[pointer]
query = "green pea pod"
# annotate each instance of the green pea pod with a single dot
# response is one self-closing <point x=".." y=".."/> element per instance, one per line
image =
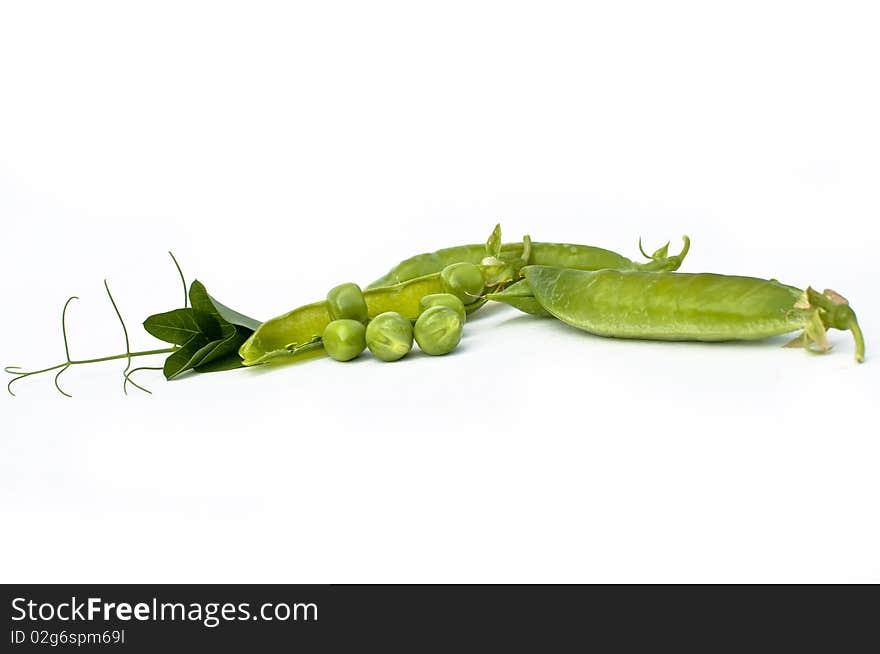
<point x="566" y="255"/>
<point x="520" y="296"/>
<point x="690" y="307"/>
<point x="296" y="335"/>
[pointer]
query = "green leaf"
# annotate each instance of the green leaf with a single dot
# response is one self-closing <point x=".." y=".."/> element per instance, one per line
<point x="216" y="349"/>
<point x="234" y="317"/>
<point x="221" y="350"/>
<point x="180" y="325"/>
<point x="198" y="297"/>
<point x="180" y="361"/>
<point x="661" y="253"/>
<point x="229" y="362"/>
<point x="200" y="355"/>
<point x="209" y="326"/>
<point x="209" y="334"/>
<point x="201" y="300"/>
<point x="177" y="326"/>
<point x="493" y="244"/>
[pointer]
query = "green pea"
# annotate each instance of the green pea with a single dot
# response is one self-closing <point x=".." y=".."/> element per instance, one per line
<point x="344" y="339"/>
<point x="464" y="281"/>
<point x="346" y="301"/>
<point x="389" y="336"/>
<point x="444" y="300"/>
<point x="438" y="330"/>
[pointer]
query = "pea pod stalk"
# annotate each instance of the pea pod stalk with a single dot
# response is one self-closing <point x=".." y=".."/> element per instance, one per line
<point x="673" y="306"/>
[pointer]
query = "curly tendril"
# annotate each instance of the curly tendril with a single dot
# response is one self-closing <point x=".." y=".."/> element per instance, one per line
<point x="18" y="373"/>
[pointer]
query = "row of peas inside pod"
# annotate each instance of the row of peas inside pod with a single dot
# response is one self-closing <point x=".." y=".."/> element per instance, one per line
<point x="389" y="336"/>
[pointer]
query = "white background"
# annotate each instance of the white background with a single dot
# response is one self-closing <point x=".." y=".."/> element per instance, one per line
<point x="282" y="149"/>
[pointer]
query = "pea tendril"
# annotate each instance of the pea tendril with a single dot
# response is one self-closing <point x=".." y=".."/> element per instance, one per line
<point x="182" y="280"/>
<point x="134" y="370"/>
<point x="18" y="373"/>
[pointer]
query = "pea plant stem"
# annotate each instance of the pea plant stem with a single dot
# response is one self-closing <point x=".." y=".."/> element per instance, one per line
<point x="18" y="373"/>
<point x="114" y="357"/>
<point x="142" y="353"/>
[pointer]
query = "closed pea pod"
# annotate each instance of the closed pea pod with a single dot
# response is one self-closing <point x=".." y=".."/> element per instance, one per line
<point x="690" y="307"/>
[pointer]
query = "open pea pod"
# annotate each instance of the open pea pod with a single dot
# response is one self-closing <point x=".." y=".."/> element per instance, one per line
<point x="296" y="335"/>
